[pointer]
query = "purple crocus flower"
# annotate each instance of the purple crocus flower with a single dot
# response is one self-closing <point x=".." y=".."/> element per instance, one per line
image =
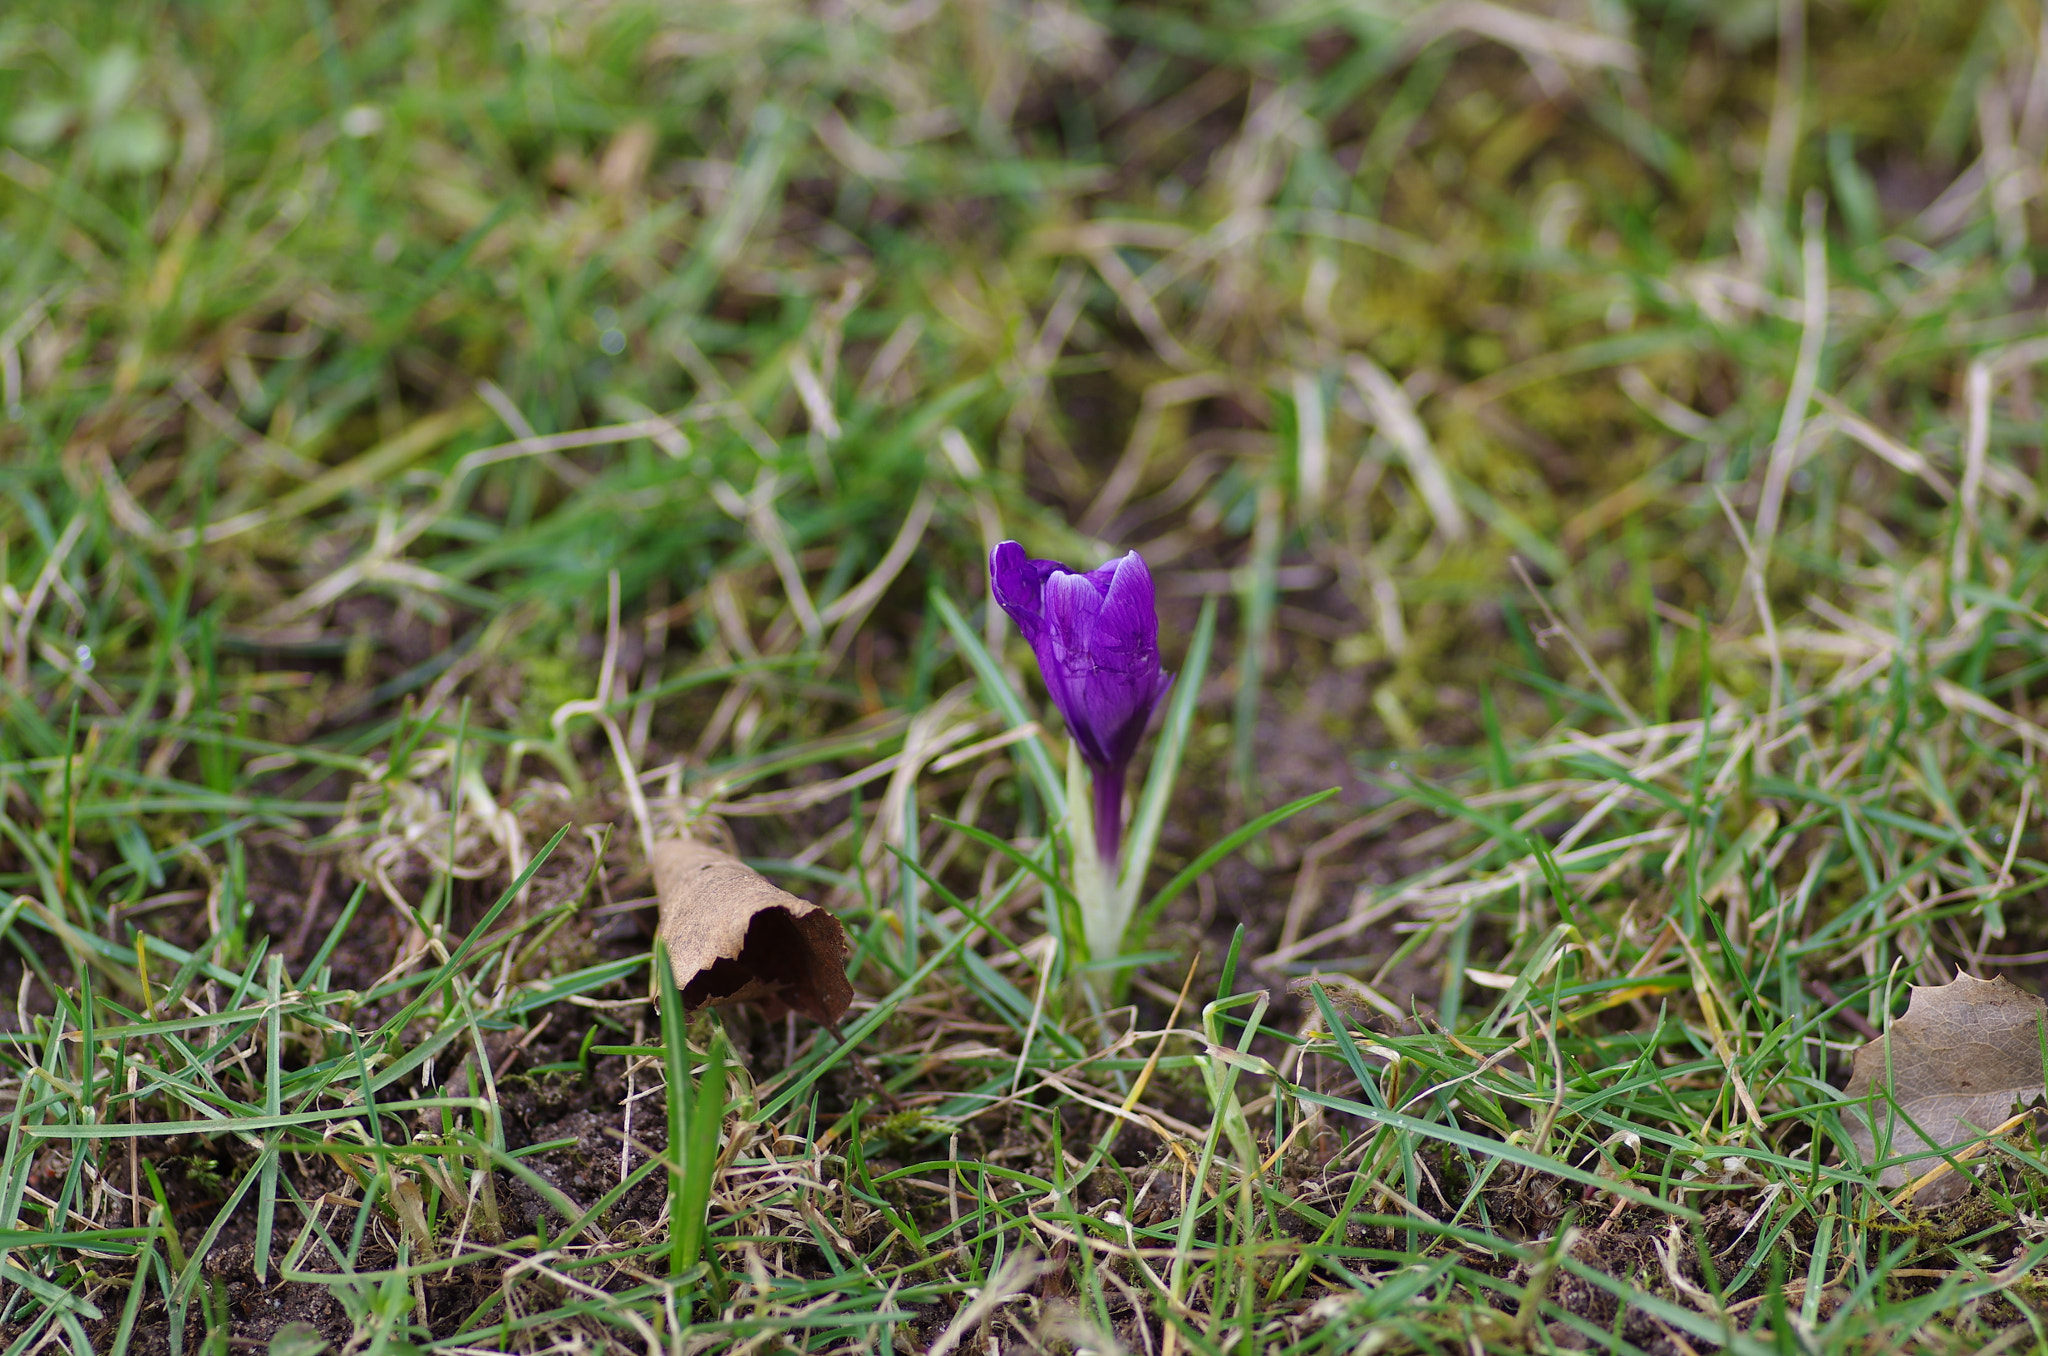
<point x="1096" y="636"/>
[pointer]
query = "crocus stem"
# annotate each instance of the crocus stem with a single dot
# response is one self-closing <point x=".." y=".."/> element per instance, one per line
<point x="1109" y="814"/>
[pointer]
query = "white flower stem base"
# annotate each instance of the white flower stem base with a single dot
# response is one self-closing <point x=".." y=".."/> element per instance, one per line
<point x="1105" y="909"/>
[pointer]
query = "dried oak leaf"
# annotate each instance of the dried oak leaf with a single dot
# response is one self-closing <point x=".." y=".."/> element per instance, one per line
<point x="733" y="937"/>
<point x="1961" y="1055"/>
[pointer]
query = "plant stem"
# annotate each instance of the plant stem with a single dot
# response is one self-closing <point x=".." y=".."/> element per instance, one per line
<point x="1109" y="815"/>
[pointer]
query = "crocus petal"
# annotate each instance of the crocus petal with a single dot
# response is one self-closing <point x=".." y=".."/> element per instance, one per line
<point x="1019" y="587"/>
<point x="1103" y="576"/>
<point x="1116" y="709"/>
<point x="1067" y="659"/>
<point x="1123" y="681"/>
<point x="1127" y="628"/>
<point x="1072" y="603"/>
<point x="1111" y="657"/>
<point x="1096" y="637"/>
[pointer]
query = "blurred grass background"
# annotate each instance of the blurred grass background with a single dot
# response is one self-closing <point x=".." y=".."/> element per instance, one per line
<point x="429" y="426"/>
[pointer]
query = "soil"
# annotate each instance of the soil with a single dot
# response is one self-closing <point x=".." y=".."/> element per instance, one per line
<point x="586" y="1111"/>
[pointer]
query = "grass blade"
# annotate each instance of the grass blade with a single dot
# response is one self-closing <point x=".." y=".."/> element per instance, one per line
<point x="996" y="688"/>
<point x="1223" y="849"/>
<point x="1150" y="815"/>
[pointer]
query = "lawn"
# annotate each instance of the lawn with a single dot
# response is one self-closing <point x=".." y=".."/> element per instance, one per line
<point x="1591" y="462"/>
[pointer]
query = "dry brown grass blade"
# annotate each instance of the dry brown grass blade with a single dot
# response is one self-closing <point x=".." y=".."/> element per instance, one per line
<point x="734" y="937"/>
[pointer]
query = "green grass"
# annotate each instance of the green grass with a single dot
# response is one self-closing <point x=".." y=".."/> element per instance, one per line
<point x="446" y="446"/>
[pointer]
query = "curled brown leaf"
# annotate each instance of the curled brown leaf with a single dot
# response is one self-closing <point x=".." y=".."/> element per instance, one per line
<point x="734" y="937"/>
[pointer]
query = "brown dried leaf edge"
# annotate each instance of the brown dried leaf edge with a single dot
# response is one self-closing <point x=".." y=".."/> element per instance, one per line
<point x="733" y="937"/>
